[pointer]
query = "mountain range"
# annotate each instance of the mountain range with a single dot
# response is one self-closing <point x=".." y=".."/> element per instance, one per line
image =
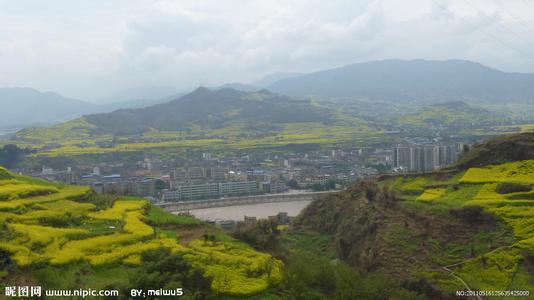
<point x="407" y="85"/>
<point x="413" y="81"/>
<point x="25" y="106"/>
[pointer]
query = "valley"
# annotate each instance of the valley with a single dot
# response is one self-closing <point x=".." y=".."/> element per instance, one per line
<point x="419" y="191"/>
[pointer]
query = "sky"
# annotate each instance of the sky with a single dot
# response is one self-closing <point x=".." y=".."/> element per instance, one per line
<point x="92" y="49"/>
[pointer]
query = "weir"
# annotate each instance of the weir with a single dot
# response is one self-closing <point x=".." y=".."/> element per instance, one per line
<point x="222" y="202"/>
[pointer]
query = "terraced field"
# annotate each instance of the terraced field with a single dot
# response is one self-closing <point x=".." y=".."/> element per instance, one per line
<point x="48" y="225"/>
<point x="504" y="191"/>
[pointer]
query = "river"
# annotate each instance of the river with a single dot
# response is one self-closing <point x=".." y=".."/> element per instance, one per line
<point x="260" y="211"/>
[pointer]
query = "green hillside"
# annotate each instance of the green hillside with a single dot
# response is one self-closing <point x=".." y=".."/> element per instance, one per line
<point x="458" y="114"/>
<point x="436" y="234"/>
<point x="221" y="120"/>
<point x="210" y="109"/>
<point x="65" y="237"/>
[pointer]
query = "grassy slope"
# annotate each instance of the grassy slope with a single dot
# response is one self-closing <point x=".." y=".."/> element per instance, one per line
<point x="66" y="238"/>
<point x="412" y="227"/>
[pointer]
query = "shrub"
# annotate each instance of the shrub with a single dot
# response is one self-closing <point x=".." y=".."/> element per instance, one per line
<point x="512" y="187"/>
<point x="473" y="215"/>
<point x="5" y="174"/>
<point x="162" y="268"/>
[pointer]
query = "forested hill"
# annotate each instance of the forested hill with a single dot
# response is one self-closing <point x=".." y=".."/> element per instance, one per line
<point x="211" y="109"/>
<point x="413" y="81"/>
<point x="469" y="228"/>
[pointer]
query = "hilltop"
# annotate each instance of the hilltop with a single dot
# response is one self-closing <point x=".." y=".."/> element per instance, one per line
<point x="210" y="109"/>
<point x="499" y="150"/>
<point x="413" y="81"/>
<point x="434" y="234"/>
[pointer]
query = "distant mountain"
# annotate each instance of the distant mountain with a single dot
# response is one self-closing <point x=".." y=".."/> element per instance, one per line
<point x="138" y="97"/>
<point x="239" y="86"/>
<point x="274" y="77"/>
<point x="262" y="83"/>
<point x="414" y="81"/>
<point x="25" y="106"/>
<point x="211" y="109"/>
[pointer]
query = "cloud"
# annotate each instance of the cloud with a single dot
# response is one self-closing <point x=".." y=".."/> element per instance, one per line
<point x="92" y="49"/>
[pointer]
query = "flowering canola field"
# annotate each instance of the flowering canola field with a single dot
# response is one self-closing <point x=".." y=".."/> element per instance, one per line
<point x="47" y="223"/>
<point x="504" y="190"/>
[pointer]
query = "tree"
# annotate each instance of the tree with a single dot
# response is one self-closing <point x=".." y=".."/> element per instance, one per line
<point x="263" y="236"/>
<point x="330" y="184"/>
<point x="317" y="187"/>
<point x="293" y="184"/>
<point x="160" y="268"/>
<point x="160" y="184"/>
<point x="10" y="155"/>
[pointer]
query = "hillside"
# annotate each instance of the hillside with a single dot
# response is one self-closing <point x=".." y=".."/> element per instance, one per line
<point x="65" y="237"/>
<point x="414" y="81"/>
<point x="24" y="106"/>
<point x="438" y="233"/>
<point x="457" y="114"/>
<point x="210" y="109"/>
<point x="499" y="150"/>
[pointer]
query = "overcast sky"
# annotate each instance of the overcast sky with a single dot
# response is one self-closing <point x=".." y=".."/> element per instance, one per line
<point x="91" y="49"/>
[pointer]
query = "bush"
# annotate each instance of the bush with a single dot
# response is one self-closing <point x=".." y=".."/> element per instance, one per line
<point x="160" y="268"/>
<point x="473" y="215"/>
<point x="511" y="187"/>
<point x="5" y="174"/>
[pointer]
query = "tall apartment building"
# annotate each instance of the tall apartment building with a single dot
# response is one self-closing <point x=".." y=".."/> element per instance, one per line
<point x="401" y="157"/>
<point x="425" y="158"/>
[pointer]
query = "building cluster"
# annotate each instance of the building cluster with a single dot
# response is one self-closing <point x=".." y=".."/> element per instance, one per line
<point x="207" y="176"/>
<point x="185" y="192"/>
<point x="138" y="184"/>
<point x="425" y="158"/>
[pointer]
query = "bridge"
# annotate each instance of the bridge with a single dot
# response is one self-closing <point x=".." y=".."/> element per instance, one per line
<point x="184" y="206"/>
